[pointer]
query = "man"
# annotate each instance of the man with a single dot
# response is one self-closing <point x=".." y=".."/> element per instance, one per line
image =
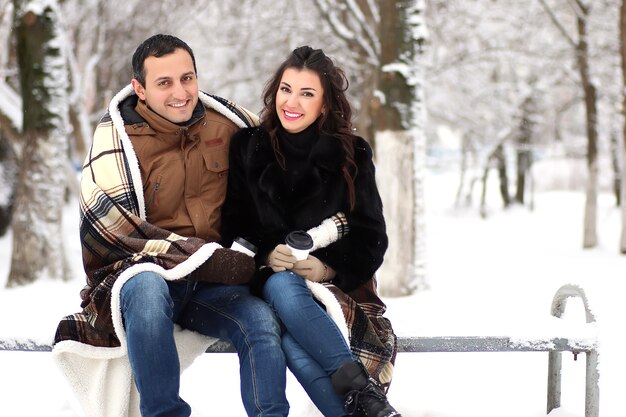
<point x="151" y="192"/>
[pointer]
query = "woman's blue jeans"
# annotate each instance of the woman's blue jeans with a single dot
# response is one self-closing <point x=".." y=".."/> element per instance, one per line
<point x="150" y="307"/>
<point x="313" y="344"/>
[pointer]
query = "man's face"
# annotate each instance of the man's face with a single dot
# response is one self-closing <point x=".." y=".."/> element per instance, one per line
<point x="171" y="88"/>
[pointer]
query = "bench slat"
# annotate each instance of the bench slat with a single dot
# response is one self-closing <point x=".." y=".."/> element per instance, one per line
<point x="405" y="344"/>
<point x="492" y="344"/>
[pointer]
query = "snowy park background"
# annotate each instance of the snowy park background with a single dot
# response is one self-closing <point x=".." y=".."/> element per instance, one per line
<point x="497" y="83"/>
<point x="487" y="275"/>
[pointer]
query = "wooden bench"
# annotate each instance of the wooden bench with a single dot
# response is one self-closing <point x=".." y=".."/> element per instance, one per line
<point x="414" y="344"/>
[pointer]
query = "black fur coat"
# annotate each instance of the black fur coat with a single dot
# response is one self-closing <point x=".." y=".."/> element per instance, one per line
<point x="263" y="207"/>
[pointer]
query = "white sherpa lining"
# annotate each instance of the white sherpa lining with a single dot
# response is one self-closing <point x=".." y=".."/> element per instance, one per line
<point x="211" y="103"/>
<point x="133" y="163"/>
<point x="333" y="308"/>
<point x="102" y="377"/>
<point x="179" y="271"/>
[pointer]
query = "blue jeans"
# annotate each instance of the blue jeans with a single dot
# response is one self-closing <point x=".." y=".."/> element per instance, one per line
<point x="150" y="307"/>
<point x="313" y="345"/>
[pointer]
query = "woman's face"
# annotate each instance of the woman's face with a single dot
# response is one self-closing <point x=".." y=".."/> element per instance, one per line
<point x="299" y="99"/>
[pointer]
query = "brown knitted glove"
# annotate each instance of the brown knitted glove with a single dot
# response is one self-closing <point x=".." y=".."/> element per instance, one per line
<point x="226" y="266"/>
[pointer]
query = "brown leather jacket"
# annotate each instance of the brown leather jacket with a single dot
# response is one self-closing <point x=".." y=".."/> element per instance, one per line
<point x="184" y="170"/>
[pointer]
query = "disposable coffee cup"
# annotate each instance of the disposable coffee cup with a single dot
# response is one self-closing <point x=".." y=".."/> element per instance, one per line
<point x="242" y="245"/>
<point x="300" y="243"/>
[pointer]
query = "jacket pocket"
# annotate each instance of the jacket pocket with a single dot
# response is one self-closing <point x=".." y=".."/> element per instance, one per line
<point x="217" y="160"/>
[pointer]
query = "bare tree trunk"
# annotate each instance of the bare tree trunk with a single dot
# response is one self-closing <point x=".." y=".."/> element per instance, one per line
<point x="8" y="182"/>
<point x="393" y="170"/>
<point x="616" y="166"/>
<point x="523" y="163"/>
<point x="500" y="158"/>
<point x="400" y="116"/>
<point x="497" y="158"/>
<point x="524" y="155"/>
<point x="9" y="126"/>
<point x="483" y="192"/>
<point x="364" y="122"/>
<point x="590" y="237"/>
<point x="622" y="49"/>
<point x="463" y="171"/>
<point x="84" y="83"/>
<point x="37" y="230"/>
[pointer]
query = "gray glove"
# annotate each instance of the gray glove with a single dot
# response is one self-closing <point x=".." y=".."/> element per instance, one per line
<point x="281" y="259"/>
<point x="313" y="269"/>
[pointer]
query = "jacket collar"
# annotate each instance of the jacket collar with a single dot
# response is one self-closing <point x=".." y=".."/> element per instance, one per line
<point x="324" y="160"/>
<point x="326" y="154"/>
<point x="158" y="123"/>
<point x="238" y="115"/>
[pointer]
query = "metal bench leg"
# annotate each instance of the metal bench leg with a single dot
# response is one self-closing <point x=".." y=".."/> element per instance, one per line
<point x="554" y="381"/>
<point x="592" y="388"/>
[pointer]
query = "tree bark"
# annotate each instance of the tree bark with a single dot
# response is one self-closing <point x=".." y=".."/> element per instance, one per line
<point x="496" y="159"/>
<point x="462" y="171"/>
<point x="8" y="182"/>
<point x="399" y="118"/>
<point x="622" y="49"/>
<point x="615" y="150"/>
<point x="393" y="170"/>
<point x="503" y="177"/>
<point x="523" y="149"/>
<point x="590" y="237"/>
<point x="37" y="222"/>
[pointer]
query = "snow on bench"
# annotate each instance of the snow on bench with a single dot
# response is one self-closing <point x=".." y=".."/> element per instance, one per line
<point x="555" y="338"/>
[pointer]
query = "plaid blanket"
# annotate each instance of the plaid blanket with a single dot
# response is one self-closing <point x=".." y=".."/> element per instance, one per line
<point x="359" y="316"/>
<point x="113" y="231"/>
<point x="117" y="244"/>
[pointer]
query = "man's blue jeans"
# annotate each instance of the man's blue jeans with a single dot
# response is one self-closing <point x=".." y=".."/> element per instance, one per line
<point x="150" y="307"/>
<point x="313" y="345"/>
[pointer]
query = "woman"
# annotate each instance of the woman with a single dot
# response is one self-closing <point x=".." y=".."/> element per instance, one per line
<point x="302" y="166"/>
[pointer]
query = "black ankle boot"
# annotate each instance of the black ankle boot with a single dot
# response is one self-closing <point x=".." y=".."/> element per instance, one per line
<point x="364" y="395"/>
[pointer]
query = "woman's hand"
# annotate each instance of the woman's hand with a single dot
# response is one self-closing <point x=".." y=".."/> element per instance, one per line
<point x="281" y="259"/>
<point x="313" y="269"/>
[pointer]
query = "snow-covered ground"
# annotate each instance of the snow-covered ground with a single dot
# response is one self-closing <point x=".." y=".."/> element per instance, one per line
<point x="494" y="275"/>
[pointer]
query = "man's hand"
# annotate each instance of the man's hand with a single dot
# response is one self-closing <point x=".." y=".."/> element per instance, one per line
<point x="226" y="266"/>
<point x="313" y="269"/>
<point x="281" y="259"/>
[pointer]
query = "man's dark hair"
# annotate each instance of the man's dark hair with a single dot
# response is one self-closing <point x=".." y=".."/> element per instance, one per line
<point x="157" y="46"/>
